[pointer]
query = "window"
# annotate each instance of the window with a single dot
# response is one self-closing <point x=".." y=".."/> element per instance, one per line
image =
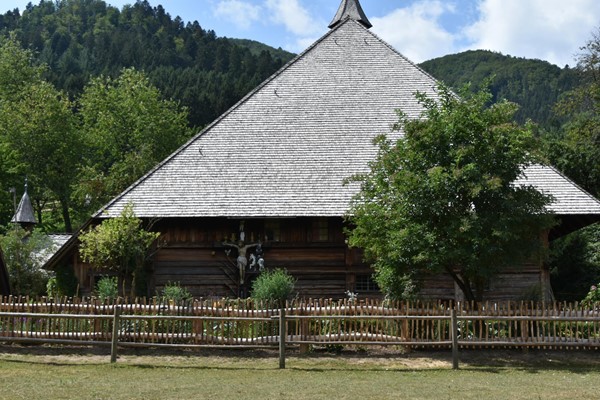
<point x="273" y="230"/>
<point x="366" y="283"/>
<point x="321" y="230"/>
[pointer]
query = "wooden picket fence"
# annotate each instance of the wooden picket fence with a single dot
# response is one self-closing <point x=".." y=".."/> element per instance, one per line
<point x="321" y="322"/>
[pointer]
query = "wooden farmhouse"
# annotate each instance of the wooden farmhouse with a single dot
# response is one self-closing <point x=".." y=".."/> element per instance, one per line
<point x="271" y="171"/>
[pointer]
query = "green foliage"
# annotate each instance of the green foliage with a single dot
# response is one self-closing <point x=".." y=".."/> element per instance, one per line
<point x="533" y="84"/>
<point x="79" y="154"/>
<point x="51" y="289"/>
<point x="65" y="282"/>
<point x="593" y="296"/>
<point x="396" y="286"/>
<point x="575" y="263"/>
<point x="275" y="285"/>
<point x="107" y="288"/>
<point x="82" y="38"/>
<point x="37" y="130"/>
<point x="174" y="291"/>
<point x="23" y="254"/>
<point x="118" y="244"/>
<point x="442" y="199"/>
<point x="575" y="150"/>
<point x="127" y="128"/>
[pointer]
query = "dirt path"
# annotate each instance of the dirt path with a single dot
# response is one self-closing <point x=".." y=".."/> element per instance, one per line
<point x="373" y="357"/>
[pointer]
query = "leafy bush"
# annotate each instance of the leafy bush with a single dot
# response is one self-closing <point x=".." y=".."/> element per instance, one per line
<point x="51" y="288"/>
<point x="119" y="244"/>
<point x="107" y="288"/>
<point x="593" y="296"/>
<point x="273" y="285"/>
<point x="396" y="287"/>
<point x="24" y="254"/>
<point x="66" y="282"/>
<point x="174" y="291"/>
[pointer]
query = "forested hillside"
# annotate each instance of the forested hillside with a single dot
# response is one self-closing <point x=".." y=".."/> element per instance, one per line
<point x="80" y="39"/>
<point x="533" y="84"/>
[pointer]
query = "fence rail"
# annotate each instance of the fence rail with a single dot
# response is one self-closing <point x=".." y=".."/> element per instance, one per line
<point x="244" y="324"/>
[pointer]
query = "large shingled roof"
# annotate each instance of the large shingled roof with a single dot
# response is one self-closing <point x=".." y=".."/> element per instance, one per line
<point x="286" y="148"/>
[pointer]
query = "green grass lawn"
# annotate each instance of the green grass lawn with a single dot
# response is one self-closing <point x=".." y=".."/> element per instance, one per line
<point x="58" y="373"/>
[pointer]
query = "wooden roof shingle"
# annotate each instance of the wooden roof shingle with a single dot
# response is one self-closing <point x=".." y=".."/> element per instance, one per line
<point x="286" y="148"/>
<point x="24" y="213"/>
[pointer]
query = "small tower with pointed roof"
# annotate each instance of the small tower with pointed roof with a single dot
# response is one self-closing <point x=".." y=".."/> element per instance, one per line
<point x="24" y="214"/>
<point x="350" y="9"/>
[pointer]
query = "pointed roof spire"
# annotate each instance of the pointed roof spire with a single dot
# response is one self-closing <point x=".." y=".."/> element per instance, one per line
<point x="350" y="9"/>
<point x="24" y="214"/>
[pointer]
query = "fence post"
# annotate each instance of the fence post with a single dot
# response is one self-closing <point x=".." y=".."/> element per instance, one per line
<point x="115" y="334"/>
<point x="282" y="336"/>
<point x="303" y="323"/>
<point x="454" y="323"/>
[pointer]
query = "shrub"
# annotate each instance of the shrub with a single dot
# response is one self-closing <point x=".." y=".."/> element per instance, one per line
<point x="107" y="288"/>
<point x="66" y="282"/>
<point x="174" y="291"/>
<point x="593" y="296"/>
<point x="23" y="254"/>
<point x="51" y="288"/>
<point x="273" y="285"/>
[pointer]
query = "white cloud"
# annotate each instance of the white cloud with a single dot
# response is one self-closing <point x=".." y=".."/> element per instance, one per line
<point x="551" y="30"/>
<point x="298" y="21"/>
<point x="293" y="16"/>
<point x="415" y="31"/>
<point x="241" y="13"/>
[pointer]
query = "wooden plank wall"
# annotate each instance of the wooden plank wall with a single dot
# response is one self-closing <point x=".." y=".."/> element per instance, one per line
<point x="312" y="249"/>
<point x="193" y="254"/>
<point x="522" y="284"/>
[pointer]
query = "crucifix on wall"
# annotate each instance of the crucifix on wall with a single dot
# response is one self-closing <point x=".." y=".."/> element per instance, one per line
<point x="256" y="258"/>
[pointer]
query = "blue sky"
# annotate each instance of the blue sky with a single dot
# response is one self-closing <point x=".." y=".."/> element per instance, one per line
<point x="551" y="30"/>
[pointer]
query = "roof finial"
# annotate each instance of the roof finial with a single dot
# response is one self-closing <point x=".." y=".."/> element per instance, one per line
<point x="350" y="9"/>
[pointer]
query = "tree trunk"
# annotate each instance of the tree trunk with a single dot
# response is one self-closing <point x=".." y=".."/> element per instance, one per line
<point x="64" y="203"/>
<point x="463" y="283"/>
<point x="132" y="289"/>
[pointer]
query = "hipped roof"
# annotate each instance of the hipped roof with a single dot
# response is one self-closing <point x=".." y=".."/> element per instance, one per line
<point x="286" y="148"/>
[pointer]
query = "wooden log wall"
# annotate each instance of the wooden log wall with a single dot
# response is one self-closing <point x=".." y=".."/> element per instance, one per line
<point x="526" y="283"/>
<point x="312" y="249"/>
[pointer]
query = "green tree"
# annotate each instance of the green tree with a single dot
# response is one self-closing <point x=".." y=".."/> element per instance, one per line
<point x="441" y="199"/>
<point x="575" y="150"/>
<point x="40" y="130"/>
<point x="127" y="128"/>
<point x="24" y="253"/>
<point x="119" y="244"/>
<point x="37" y="130"/>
